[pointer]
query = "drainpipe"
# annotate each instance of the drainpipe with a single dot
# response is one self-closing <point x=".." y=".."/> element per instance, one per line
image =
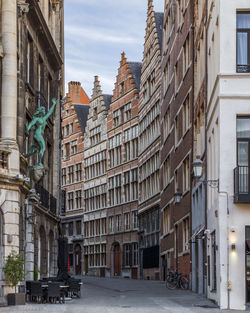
<point x="228" y="251"/>
<point x="9" y="73"/>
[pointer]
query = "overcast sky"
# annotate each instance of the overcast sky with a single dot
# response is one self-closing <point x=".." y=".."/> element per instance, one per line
<point x="96" y="32"/>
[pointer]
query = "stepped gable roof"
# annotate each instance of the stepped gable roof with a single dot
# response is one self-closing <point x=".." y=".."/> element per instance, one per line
<point x="82" y="111"/>
<point x="159" y="25"/>
<point x="135" y="68"/>
<point x="107" y="100"/>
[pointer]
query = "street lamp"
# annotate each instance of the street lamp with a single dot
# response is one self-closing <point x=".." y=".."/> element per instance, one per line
<point x="198" y="167"/>
<point x="177" y="196"/>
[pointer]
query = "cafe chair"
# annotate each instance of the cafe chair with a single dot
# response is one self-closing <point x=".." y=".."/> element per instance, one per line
<point x="55" y="293"/>
<point x="74" y="288"/>
<point x="36" y="291"/>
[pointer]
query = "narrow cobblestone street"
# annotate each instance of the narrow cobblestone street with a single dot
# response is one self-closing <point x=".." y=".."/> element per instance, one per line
<point x="103" y="295"/>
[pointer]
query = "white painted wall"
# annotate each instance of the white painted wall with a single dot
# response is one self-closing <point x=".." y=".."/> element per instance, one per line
<point x="228" y="96"/>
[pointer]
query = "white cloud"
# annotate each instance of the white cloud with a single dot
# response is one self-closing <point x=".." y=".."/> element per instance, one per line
<point x="96" y="32"/>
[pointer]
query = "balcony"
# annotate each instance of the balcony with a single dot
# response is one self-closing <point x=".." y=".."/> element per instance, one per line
<point x="241" y="184"/>
<point x="243" y="68"/>
<point x="46" y="199"/>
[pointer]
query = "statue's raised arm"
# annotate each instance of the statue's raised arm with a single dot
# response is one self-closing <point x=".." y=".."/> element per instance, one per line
<point x="51" y="109"/>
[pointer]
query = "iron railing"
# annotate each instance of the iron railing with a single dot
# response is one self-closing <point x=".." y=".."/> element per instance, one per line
<point x="243" y="68"/>
<point x="46" y="199"/>
<point x="241" y="184"/>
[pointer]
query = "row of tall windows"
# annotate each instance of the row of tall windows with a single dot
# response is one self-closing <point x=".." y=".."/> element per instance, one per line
<point x="95" y="228"/>
<point x="72" y="228"/>
<point x="129" y="191"/>
<point x="182" y="176"/>
<point x="149" y="177"/>
<point x="95" y="165"/>
<point x="69" y="148"/>
<point x="115" y="150"/>
<point x="68" y="130"/>
<point x="131" y="143"/>
<point x="96" y="255"/>
<point x="115" y="190"/>
<point x="131" y="185"/>
<point x="74" y="200"/>
<point x="179" y="72"/>
<point x="74" y="174"/>
<point x="130" y="254"/>
<point x="149" y="127"/>
<point x="95" y="135"/>
<point x="182" y="121"/>
<point x="149" y="87"/>
<point x="150" y="224"/>
<point x="95" y="198"/>
<point x="122" y="115"/>
<point x="130" y="222"/>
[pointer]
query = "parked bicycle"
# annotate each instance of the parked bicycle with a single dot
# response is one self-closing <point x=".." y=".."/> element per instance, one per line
<point x="176" y="280"/>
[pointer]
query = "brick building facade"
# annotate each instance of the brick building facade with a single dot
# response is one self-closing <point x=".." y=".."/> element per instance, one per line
<point x="74" y="116"/>
<point x="176" y="129"/>
<point x="199" y="268"/>
<point x="95" y="183"/>
<point x="122" y="173"/>
<point x="149" y="147"/>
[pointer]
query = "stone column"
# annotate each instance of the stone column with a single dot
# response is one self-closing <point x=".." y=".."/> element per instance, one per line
<point x="9" y="84"/>
<point x="29" y="247"/>
<point x="9" y="75"/>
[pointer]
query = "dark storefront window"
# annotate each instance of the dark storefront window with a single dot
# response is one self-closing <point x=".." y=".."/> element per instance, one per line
<point x="151" y="257"/>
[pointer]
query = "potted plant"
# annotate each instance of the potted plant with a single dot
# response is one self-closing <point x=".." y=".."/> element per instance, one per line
<point x="14" y="272"/>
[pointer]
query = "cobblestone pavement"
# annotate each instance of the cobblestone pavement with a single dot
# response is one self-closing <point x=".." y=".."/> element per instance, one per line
<point x="104" y="295"/>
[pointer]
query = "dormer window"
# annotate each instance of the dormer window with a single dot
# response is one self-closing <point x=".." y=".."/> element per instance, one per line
<point x="95" y="114"/>
<point x="121" y="89"/>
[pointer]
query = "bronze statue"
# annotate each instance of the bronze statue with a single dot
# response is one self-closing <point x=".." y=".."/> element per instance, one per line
<point x="38" y="124"/>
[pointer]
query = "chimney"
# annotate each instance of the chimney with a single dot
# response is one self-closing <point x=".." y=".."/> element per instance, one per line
<point x="77" y="94"/>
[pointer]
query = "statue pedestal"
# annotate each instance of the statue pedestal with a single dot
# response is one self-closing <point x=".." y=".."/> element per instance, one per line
<point x="37" y="173"/>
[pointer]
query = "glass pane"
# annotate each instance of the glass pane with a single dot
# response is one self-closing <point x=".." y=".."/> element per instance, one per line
<point x="243" y="20"/>
<point x="243" y="166"/>
<point x="248" y="237"/>
<point x="243" y="128"/>
<point x="242" y="50"/>
<point x="243" y="153"/>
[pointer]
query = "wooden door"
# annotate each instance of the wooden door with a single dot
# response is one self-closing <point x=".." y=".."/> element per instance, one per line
<point x="117" y="258"/>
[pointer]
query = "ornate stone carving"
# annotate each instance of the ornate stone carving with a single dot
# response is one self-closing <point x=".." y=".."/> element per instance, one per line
<point x="23" y="6"/>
